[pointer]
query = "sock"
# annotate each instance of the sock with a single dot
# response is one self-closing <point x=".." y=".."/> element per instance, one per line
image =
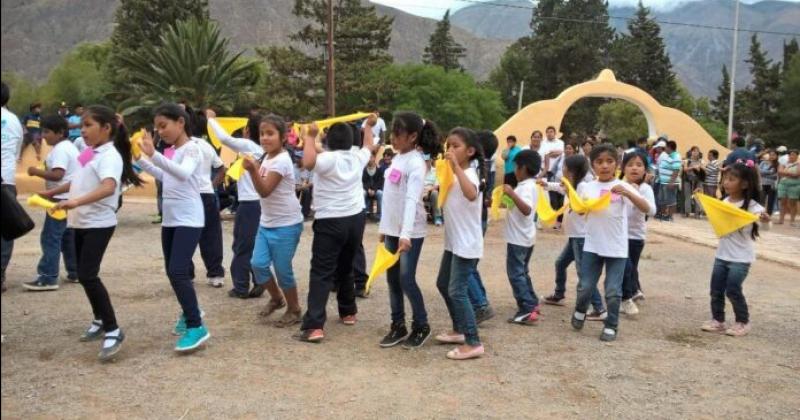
<point x="108" y="343"/>
<point x="579" y="316"/>
<point x="93" y="327"/>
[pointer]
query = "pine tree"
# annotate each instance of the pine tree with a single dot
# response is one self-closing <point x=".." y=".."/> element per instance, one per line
<point x="720" y="104"/>
<point x="789" y="105"/>
<point x="760" y="99"/>
<point x="640" y="57"/>
<point x="442" y="49"/>
<point x="789" y="51"/>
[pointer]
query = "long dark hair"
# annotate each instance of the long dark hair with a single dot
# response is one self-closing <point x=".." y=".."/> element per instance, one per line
<point x="104" y="115"/>
<point x="471" y="140"/>
<point x="174" y="112"/>
<point x="428" y="138"/>
<point x="750" y="176"/>
<point x="578" y="167"/>
<point x="254" y="127"/>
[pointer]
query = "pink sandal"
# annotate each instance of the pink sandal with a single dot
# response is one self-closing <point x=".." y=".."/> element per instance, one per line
<point x="474" y="353"/>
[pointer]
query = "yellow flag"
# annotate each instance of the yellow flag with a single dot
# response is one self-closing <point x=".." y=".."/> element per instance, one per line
<point x="724" y="217"/>
<point x="445" y="176"/>
<point x="497" y="198"/>
<point x="136" y="151"/>
<point x="384" y="260"/>
<point x="546" y="213"/>
<point x="322" y="124"/>
<point x="236" y="170"/>
<point x="230" y="124"/>
<point x="582" y="206"/>
<point x="38" y="201"/>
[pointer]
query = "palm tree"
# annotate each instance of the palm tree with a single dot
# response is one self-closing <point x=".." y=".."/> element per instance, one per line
<point x="192" y="64"/>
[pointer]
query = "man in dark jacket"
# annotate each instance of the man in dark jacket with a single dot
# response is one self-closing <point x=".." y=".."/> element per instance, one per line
<point x="372" y="181"/>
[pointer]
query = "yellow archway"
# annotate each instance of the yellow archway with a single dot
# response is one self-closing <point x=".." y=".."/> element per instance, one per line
<point x="660" y="119"/>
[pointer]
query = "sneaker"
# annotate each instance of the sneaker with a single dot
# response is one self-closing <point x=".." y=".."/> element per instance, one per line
<point x="107" y="353"/>
<point x="156" y="220"/>
<point x="348" y="320"/>
<point x="362" y="293"/>
<point x="192" y="340"/>
<point x="577" y="320"/>
<point x="310" y="336"/>
<point x="437" y="221"/>
<point x="39" y="286"/>
<point x="180" y="324"/>
<point x="713" y="326"/>
<point x="257" y="291"/>
<point x="554" y="299"/>
<point x="628" y="307"/>
<point x="596" y="316"/>
<point x="417" y="337"/>
<point x="525" y="318"/>
<point x="608" y="334"/>
<point x="638" y="296"/>
<point x="216" y="281"/>
<point x="70" y="279"/>
<point x="397" y="332"/>
<point x="94" y="332"/>
<point x="738" y="330"/>
<point x="237" y="294"/>
<point x="484" y="313"/>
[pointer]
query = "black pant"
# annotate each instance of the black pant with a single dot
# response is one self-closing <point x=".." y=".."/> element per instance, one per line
<point x="360" y="275"/>
<point x="768" y="197"/>
<point x="630" y="280"/>
<point x="90" y="246"/>
<point x="510" y="179"/>
<point x="179" y="244"/>
<point x="245" y="228"/>
<point x="305" y="201"/>
<point x="556" y="201"/>
<point x="336" y="242"/>
<point x="211" y="238"/>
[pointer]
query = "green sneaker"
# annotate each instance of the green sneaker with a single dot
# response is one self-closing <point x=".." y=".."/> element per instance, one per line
<point x="193" y="339"/>
<point x="180" y="324"/>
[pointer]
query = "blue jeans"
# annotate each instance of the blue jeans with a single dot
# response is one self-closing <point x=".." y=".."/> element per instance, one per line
<point x="517" y="267"/>
<point x="179" y="244"/>
<point x="591" y="268"/>
<point x="452" y="284"/>
<point x="402" y="278"/>
<point x="726" y="280"/>
<point x="573" y="251"/>
<point x="56" y="239"/>
<point x="276" y="247"/>
<point x="630" y="281"/>
<point x="245" y="227"/>
<point x="477" y="293"/>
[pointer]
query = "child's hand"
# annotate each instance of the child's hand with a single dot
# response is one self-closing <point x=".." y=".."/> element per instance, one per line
<point x="404" y="245"/>
<point x="764" y="217"/>
<point x="508" y="189"/>
<point x="698" y="190"/>
<point x="45" y="194"/>
<point x="66" y="204"/>
<point x="372" y="119"/>
<point x="381" y="238"/>
<point x="146" y="144"/>
<point x="249" y="164"/>
<point x="541" y="182"/>
<point x="32" y="170"/>
<point x="312" y="130"/>
<point x="210" y="113"/>
<point x="451" y="158"/>
<point x="621" y="190"/>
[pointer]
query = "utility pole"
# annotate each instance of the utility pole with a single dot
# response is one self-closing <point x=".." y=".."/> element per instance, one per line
<point x="330" y="94"/>
<point x="521" y="91"/>
<point x="732" y="96"/>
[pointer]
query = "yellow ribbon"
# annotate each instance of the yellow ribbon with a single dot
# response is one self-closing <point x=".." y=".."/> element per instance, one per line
<point x="136" y="150"/>
<point x="236" y="170"/>
<point x="546" y="213"/>
<point x="38" y="201"/>
<point x="445" y="176"/>
<point x="229" y="124"/>
<point x="384" y="260"/>
<point x="579" y="205"/>
<point x="322" y="124"/>
<point x="725" y="218"/>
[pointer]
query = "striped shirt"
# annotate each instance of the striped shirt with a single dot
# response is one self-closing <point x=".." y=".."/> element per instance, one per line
<point x="712" y="173"/>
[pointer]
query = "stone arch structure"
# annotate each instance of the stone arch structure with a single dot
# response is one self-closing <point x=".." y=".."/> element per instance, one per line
<point x="661" y="120"/>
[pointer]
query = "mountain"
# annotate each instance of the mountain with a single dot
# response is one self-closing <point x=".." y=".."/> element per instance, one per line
<point x="697" y="53"/>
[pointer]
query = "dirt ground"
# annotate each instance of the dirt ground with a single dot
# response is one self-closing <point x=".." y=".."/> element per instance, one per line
<point x="662" y="365"/>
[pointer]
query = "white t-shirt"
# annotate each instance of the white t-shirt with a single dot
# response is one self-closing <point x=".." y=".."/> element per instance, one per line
<point x="378" y="128"/>
<point x="12" y="142"/>
<point x="403" y="183"/>
<point x="245" y="191"/>
<point x="106" y="163"/>
<point x="549" y="146"/>
<point x="574" y="224"/>
<point x="739" y="246"/>
<point x="637" y="221"/>
<point x="80" y="144"/>
<point x="281" y="208"/>
<point x="606" y="230"/>
<point x="783" y="160"/>
<point x="463" y="235"/>
<point x="337" y="183"/>
<point x="209" y="160"/>
<point x="179" y="176"/>
<point x="64" y="156"/>
<point x="520" y="229"/>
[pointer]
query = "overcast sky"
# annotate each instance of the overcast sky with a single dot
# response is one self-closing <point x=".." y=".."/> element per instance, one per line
<point x="436" y="8"/>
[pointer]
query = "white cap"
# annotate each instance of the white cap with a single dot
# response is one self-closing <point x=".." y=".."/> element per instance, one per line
<point x="781" y="149"/>
<point x="661" y="143"/>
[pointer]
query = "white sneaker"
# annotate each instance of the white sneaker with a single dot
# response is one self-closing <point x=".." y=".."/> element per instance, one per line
<point x="629" y="307"/>
<point x="216" y="281"/>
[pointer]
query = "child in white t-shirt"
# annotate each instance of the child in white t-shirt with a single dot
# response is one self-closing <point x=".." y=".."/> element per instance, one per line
<point x="61" y="165"/>
<point x="736" y="251"/>
<point x="521" y="236"/>
<point x="211" y="237"/>
<point x="606" y="238"/>
<point x="463" y="242"/>
<point x="281" y="221"/>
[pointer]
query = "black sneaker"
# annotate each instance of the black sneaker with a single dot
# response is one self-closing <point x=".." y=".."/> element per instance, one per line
<point x="397" y="333"/>
<point x="362" y="293"/>
<point x="237" y="294"/>
<point x="554" y="299"/>
<point x="108" y="353"/>
<point x="417" y="337"/>
<point x="40" y="286"/>
<point x="608" y="334"/>
<point x="578" y="323"/>
<point x="484" y="313"/>
<point x="257" y="291"/>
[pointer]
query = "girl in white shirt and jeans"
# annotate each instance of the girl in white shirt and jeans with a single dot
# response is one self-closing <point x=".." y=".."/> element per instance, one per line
<point x="92" y="204"/>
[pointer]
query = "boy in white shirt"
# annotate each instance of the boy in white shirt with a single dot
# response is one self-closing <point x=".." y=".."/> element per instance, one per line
<point x="61" y="165"/>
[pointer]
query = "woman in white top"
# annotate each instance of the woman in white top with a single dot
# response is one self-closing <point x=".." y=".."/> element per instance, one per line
<point x="92" y="204"/>
<point x="404" y="222"/>
<point x="634" y="170"/>
<point x="183" y="219"/>
<point x="248" y="212"/>
<point x="606" y="238"/>
<point x="281" y="220"/>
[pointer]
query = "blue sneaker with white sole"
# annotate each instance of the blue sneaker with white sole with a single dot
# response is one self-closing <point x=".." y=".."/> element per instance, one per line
<point x="180" y="324"/>
<point x="192" y="340"/>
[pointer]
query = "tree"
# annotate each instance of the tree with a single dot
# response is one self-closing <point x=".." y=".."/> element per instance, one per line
<point x="789" y="105"/>
<point x="789" y="51"/>
<point x="23" y="93"/>
<point x="82" y="76"/>
<point x="720" y="104"/>
<point x="138" y="24"/>
<point x="760" y="98"/>
<point x="640" y="57"/>
<point x="514" y="67"/>
<point x="442" y="49"/>
<point x="192" y="63"/>
<point x="621" y="121"/>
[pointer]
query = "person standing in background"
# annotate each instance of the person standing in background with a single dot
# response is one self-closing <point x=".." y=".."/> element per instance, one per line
<point x="31" y="123"/>
<point x="11" y="143"/>
<point x="74" y="123"/>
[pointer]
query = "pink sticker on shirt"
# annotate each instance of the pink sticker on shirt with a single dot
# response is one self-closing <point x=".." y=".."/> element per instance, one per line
<point x="395" y="176"/>
<point x="169" y="152"/>
<point x="86" y="156"/>
<point x="614" y="196"/>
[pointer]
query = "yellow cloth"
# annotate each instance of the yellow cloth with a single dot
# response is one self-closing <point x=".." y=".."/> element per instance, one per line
<point x="384" y="260"/>
<point x="497" y="198"/>
<point x="445" y="176"/>
<point x="38" y="201"/>
<point x="724" y="217"/>
<point x="230" y="124"/>
<point x="546" y="213"/>
<point x="323" y="124"/>
<point x="136" y="150"/>
<point x="236" y="170"/>
<point x="582" y="206"/>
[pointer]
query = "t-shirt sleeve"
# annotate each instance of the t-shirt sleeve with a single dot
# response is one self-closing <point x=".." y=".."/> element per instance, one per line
<point x="527" y="194"/>
<point x="110" y="166"/>
<point x="363" y="157"/>
<point x="647" y="193"/>
<point x="60" y="158"/>
<point x="325" y="162"/>
<point x="282" y="166"/>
